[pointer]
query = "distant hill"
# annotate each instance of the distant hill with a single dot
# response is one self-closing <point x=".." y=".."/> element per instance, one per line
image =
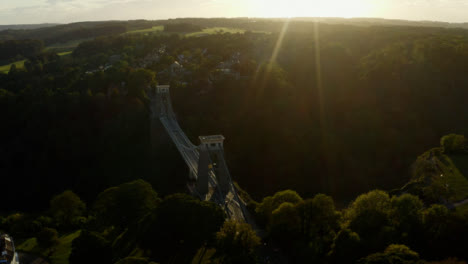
<point x="27" y="26"/>
<point x="66" y="33"/>
<point x="383" y="22"/>
<point x="61" y="33"/>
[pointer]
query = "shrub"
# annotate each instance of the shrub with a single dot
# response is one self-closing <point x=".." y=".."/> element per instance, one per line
<point x="453" y="143"/>
<point x="47" y="237"/>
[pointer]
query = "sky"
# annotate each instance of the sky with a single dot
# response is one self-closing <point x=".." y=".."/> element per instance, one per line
<point x="65" y="11"/>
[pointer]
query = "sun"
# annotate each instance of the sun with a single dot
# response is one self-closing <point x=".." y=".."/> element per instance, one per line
<point x="311" y="8"/>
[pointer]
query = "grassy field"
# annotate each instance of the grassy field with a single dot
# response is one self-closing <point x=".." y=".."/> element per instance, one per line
<point x="461" y="162"/>
<point x="65" y="53"/>
<point x="59" y="255"/>
<point x="30" y="246"/>
<point x="215" y="30"/>
<point x="6" y="68"/>
<point x="206" y="31"/>
<point x="63" y="250"/>
<point x="20" y="64"/>
<point x="155" y="29"/>
<point x="67" y="46"/>
<point x="454" y="178"/>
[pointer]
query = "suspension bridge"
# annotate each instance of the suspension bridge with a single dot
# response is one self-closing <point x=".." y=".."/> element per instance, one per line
<point x="209" y="177"/>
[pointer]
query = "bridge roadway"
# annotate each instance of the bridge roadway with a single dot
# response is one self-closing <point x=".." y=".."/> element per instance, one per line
<point x="230" y="201"/>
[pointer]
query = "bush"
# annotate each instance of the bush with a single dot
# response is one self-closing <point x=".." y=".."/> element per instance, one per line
<point x="236" y="243"/>
<point x="394" y="254"/>
<point x="453" y="143"/>
<point x="47" y="237"/>
<point x="132" y="260"/>
<point x="90" y="248"/>
<point x="66" y="207"/>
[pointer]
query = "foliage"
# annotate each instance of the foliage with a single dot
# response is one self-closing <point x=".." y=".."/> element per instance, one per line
<point x="47" y="237"/>
<point x="369" y="212"/>
<point x="393" y="254"/>
<point x="236" y="243"/>
<point x="14" y="49"/>
<point x="454" y="143"/>
<point x="66" y="208"/>
<point x="90" y="247"/>
<point x="62" y="252"/>
<point x="284" y="225"/>
<point x="182" y="27"/>
<point x="133" y="260"/>
<point x="271" y="203"/>
<point x="346" y="247"/>
<point x="320" y="222"/>
<point x="125" y="204"/>
<point x="179" y="224"/>
<point x="406" y="213"/>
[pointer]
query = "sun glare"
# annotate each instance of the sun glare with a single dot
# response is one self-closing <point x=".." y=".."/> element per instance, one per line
<point x="311" y="8"/>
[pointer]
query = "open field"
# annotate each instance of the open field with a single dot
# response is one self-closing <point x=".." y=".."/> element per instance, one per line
<point x="6" y="68"/>
<point x="67" y="46"/>
<point x="65" y="53"/>
<point x="215" y="30"/>
<point x="59" y="255"/>
<point x="29" y="246"/>
<point x="63" y="250"/>
<point x="206" y="31"/>
<point x="155" y="29"/>
<point x="454" y="179"/>
<point x="461" y="162"/>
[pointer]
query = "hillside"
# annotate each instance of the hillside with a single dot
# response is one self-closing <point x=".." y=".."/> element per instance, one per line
<point x="440" y="176"/>
<point x="26" y="26"/>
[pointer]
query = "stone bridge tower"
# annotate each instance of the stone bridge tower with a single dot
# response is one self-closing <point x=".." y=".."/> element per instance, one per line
<point x="212" y="160"/>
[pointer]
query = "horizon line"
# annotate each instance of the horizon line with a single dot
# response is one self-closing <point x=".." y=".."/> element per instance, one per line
<point x="239" y="17"/>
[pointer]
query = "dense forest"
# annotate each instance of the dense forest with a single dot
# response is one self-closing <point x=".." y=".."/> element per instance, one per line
<point x="325" y="111"/>
<point x="12" y="50"/>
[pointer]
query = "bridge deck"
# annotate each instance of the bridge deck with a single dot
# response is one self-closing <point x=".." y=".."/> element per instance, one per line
<point x="162" y="107"/>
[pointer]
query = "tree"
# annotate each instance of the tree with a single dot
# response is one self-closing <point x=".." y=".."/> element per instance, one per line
<point x="91" y="248"/>
<point x="285" y="224"/>
<point x="236" y="243"/>
<point x="47" y="238"/>
<point x="271" y="203"/>
<point x="369" y="215"/>
<point x="453" y="143"/>
<point x="13" y="69"/>
<point x="406" y="215"/>
<point x="66" y="207"/>
<point x="179" y="226"/>
<point x="133" y="260"/>
<point x="369" y="212"/>
<point x="393" y="254"/>
<point x="319" y="224"/>
<point x="436" y="221"/>
<point x="139" y="80"/>
<point x="125" y="204"/>
<point x="346" y="248"/>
